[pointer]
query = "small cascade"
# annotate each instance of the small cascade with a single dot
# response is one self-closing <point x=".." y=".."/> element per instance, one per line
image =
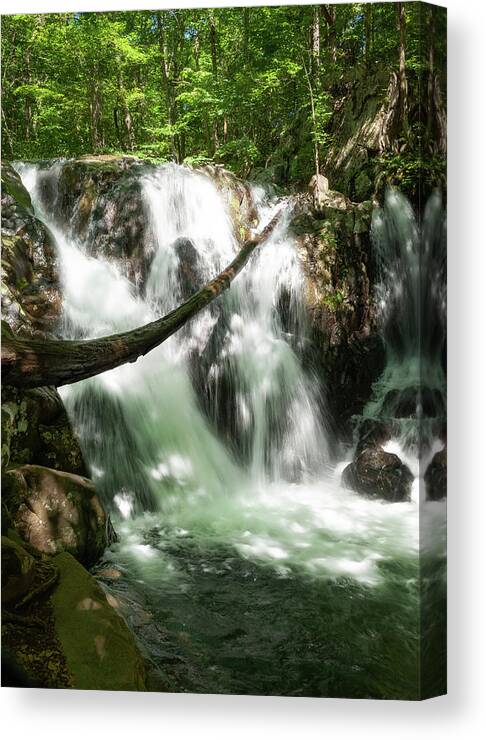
<point x="406" y="413"/>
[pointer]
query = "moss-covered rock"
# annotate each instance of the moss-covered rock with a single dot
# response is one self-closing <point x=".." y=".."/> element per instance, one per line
<point x="98" y="647"/>
<point x="58" y="627"/>
<point x="56" y="512"/>
<point x="36" y="429"/>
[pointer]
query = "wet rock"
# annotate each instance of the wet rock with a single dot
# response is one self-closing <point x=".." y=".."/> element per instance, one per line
<point x="31" y="301"/>
<point x="345" y="346"/>
<point x="189" y="267"/>
<point x="373" y="433"/>
<point x="379" y="474"/>
<point x="36" y="429"/>
<point x="99" y="201"/>
<point x="55" y="511"/>
<point x="436" y="476"/>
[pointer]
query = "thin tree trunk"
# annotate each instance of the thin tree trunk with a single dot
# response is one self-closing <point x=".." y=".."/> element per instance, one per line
<point x="164" y="66"/>
<point x="95" y="112"/>
<point x="329" y="13"/>
<point x="314" y="122"/>
<point x="213" y="40"/>
<point x="368" y="13"/>
<point x="127" y="118"/>
<point x="431" y="73"/>
<point x="316" y="44"/>
<point x="402" y="75"/>
<point x="29" y="363"/>
<point x="246" y="34"/>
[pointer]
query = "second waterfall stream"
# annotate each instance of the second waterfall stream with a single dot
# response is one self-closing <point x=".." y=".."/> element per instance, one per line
<point x="236" y="539"/>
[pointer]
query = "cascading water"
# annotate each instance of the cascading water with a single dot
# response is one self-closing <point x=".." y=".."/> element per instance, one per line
<point x="244" y="565"/>
<point x="410" y="396"/>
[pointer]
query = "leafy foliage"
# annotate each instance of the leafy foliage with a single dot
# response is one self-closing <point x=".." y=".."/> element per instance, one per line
<point x="241" y="86"/>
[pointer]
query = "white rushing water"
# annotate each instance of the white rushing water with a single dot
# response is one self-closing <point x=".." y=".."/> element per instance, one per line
<point x="250" y="468"/>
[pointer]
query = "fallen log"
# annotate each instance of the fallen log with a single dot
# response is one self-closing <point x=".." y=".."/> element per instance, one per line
<point x="29" y="363"/>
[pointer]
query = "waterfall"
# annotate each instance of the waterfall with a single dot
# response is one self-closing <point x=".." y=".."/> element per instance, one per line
<point x="220" y="432"/>
<point x="143" y="430"/>
<point x="410" y="396"/>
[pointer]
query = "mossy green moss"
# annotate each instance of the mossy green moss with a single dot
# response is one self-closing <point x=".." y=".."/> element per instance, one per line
<point x="98" y="647"/>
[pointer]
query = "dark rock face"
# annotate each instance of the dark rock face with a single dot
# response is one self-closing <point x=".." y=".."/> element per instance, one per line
<point x="56" y="512"/>
<point x="18" y="572"/>
<point x="188" y="271"/>
<point x="36" y="429"/>
<point x="335" y="251"/>
<point x="373" y="433"/>
<point x="436" y="476"/>
<point x="31" y="300"/>
<point x="379" y="474"/>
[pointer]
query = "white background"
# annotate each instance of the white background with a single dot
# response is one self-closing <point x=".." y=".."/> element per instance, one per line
<point x="82" y="715"/>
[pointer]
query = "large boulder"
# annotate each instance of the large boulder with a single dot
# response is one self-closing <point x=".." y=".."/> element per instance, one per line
<point x="436" y="476"/>
<point x="379" y="474"/>
<point x="31" y="299"/>
<point x="56" y="512"/>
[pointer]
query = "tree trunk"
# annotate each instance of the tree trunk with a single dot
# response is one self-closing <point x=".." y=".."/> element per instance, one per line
<point x="431" y="73"/>
<point x="368" y="18"/>
<point x="95" y="113"/>
<point x="214" y="44"/>
<point x="127" y="118"/>
<point x="167" y="83"/>
<point x="402" y="75"/>
<point x="329" y="13"/>
<point x="29" y="363"/>
<point x="246" y="34"/>
<point x="316" y="44"/>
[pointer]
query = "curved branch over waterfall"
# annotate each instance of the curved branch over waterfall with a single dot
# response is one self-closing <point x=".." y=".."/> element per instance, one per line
<point x="29" y="363"/>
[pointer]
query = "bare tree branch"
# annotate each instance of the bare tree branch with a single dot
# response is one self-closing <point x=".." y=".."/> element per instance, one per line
<point x="29" y="363"/>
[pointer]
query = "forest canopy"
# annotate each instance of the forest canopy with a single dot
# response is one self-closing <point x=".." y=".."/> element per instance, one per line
<point x="245" y="87"/>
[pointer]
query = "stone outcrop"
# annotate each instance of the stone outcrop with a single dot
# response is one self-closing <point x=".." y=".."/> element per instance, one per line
<point x="56" y="512"/>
